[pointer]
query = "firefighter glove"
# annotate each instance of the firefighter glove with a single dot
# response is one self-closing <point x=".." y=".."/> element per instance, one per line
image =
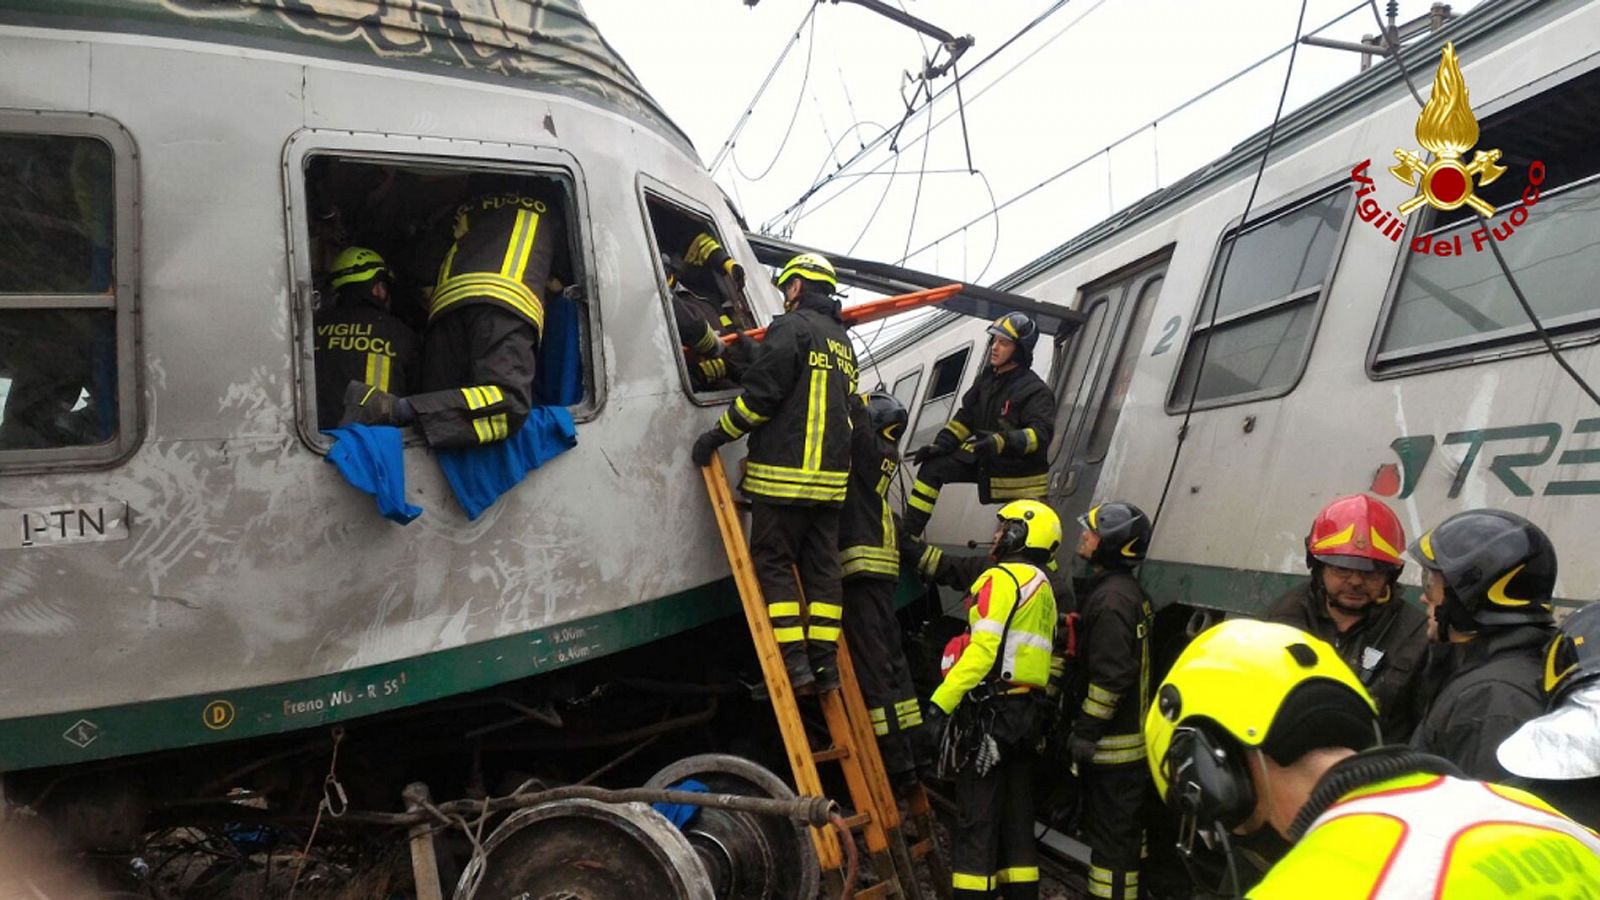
<point x="935" y="720"/>
<point x="737" y="271"/>
<point x="929" y="451"/>
<point x="366" y="405"/>
<point x="1082" y="750"/>
<point x="705" y="446"/>
<point x="984" y="447"/>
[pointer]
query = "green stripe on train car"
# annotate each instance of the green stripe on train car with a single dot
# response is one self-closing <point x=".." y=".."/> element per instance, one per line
<point x="113" y="731"/>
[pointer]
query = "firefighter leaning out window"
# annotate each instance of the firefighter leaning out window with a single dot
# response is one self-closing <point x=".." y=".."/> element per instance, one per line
<point x="358" y="339"/>
<point x="485" y="319"/>
<point x="795" y="407"/>
<point x="999" y="438"/>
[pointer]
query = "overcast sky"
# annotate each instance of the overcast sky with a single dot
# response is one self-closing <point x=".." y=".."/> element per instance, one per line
<point x="1082" y="81"/>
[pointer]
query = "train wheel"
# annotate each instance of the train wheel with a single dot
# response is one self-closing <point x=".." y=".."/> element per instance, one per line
<point x="586" y="850"/>
<point x="748" y="857"/>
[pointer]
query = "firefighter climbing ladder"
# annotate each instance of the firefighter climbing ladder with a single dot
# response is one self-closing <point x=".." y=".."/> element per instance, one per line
<point x="853" y="745"/>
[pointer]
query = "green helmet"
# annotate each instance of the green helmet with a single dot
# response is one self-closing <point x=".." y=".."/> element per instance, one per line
<point x="355" y="265"/>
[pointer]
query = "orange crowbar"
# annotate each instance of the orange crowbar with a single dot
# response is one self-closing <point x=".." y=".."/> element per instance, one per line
<point x="862" y="313"/>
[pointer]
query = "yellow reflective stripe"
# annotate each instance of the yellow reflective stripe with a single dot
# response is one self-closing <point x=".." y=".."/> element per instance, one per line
<point x="713" y="369"/>
<point x="928" y="565"/>
<point x="1021" y="481"/>
<point x="799" y="476"/>
<point x="824" y="633"/>
<point x="786" y="491"/>
<point x="492" y="394"/>
<point x="963" y="881"/>
<point x="1097" y="709"/>
<point x="830" y="610"/>
<point x="999" y="443"/>
<point x="865" y="552"/>
<point x="1103" y="695"/>
<point x="484" y="430"/>
<point x="918" y="503"/>
<point x="513" y="293"/>
<point x="1032" y="441"/>
<point x="520" y="246"/>
<point x="378" y="371"/>
<point x="816" y="419"/>
<point x="473" y="398"/>
<point x="749" y="414"/>
<point x="878" y="714"/>
<point x="1120" y="741"/>
<point x="789" y="635"/>
<point x="499" y="427"/>
<point x="960" y="431"/>
<point x="700" y="249"/>
<point x="707" y="342"/>
<point x="786" y="608"/>
<point x="1117" y="757"/>
<point x="728" y="428"/>
<point x="880" y="727"/>
<point x="1017" y="875"/>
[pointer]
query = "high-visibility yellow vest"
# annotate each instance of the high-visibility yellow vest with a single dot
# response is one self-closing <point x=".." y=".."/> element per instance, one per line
<point x="1433" y="836"/>
<point x="1025" y="658"/>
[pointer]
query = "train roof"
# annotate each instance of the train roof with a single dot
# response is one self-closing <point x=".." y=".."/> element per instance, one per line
<point x="550" y="45"/>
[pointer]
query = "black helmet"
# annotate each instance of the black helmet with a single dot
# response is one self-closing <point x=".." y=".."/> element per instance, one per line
<point x="1017" y="327"/>
<point x="1124" y="532"/>
<point x="1498" y="568"/>
<point x="1573" y="658"/>
<point x="887" y="415"/>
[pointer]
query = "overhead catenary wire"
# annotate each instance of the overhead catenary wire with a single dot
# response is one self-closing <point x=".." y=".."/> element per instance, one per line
<point x="1222" y="273"/>
<point x="1494" y="243"/>
<point x="744" y="117"/>
<point x="794" y="114"/>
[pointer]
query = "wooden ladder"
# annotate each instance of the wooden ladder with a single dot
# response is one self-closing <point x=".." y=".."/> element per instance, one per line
<point x="853" y="745"/>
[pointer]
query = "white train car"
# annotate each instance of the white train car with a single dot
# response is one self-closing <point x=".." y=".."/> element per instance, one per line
<point x="1345" y="354"/>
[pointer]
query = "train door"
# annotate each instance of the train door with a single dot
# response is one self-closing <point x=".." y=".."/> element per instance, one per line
<point x="1093" y="372"/>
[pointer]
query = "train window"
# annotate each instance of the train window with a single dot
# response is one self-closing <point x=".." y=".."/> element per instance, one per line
<point x="940" y="402"/>
<point x="905" y="387"/>
<point x="702" y="288"/>
<point x="1255" y="330"/>
<point x="407" y="211"/>
<point x="67" y="392"/>
<point x="1452" y="308"/>
<point x="1105" y="420"/>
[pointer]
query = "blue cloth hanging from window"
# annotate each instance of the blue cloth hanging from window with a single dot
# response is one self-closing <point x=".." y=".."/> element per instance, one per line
<point x="479" y="475"/>
<point x="560" y="379"/>
<point x="369" y="457"/>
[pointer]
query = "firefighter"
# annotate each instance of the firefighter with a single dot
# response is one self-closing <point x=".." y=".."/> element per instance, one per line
<point x="795" y="408"/>
<point x="703" y="260"/>
<point x="999" y="438"/>
<point x="1560" y="750"/>
<point x="989" y="704"/>
<point x="1260" y="725"/>
<point x="1107" y="749"/>
<point x="485" y="318"/>
<point x="1353" y="601"/>
<point x="1487" y="580"/>
<point x="358" y="339"/>
<point x="713" y="365"/>
<point x="869" y="561"/>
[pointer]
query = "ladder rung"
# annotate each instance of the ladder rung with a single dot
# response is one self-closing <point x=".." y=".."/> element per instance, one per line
<point x="831" y="754"/>
<point x="857" y="820"/>
<point x="921" y="848"/>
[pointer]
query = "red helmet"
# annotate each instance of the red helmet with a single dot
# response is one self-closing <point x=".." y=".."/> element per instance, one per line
<point x="1356" y="532"/>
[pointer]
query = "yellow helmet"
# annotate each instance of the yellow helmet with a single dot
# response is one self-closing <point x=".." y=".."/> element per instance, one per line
<point x="810" y="266"/>
<point x="1029" y="525"/>
<point x="355" y="265"/>
<point x="1242" y="685"/>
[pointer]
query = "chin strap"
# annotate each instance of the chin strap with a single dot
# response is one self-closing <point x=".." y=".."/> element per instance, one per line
<point x="1366" y="767"/>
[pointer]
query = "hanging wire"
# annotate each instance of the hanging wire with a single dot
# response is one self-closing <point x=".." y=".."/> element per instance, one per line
<point x="1222" y="274"/>
<point x="744" y="117"/>
<point x="1494" y="243"/>
<point x="794" y="116"/>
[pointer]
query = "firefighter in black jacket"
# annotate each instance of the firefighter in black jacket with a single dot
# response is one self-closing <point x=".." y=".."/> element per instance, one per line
<point x="713" y="365"/>
<point x="359" y="339"/>
<point x="999" y="438"/>
<point x="1107" y="745"/>
<point x="484" y="322"/>
<point x="1353" y="602"/>
<point x="1488" y="580"/>
<point x="870" y="564"/>
<point x="1559" y="752"/>
<point x="795" y="406"/>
